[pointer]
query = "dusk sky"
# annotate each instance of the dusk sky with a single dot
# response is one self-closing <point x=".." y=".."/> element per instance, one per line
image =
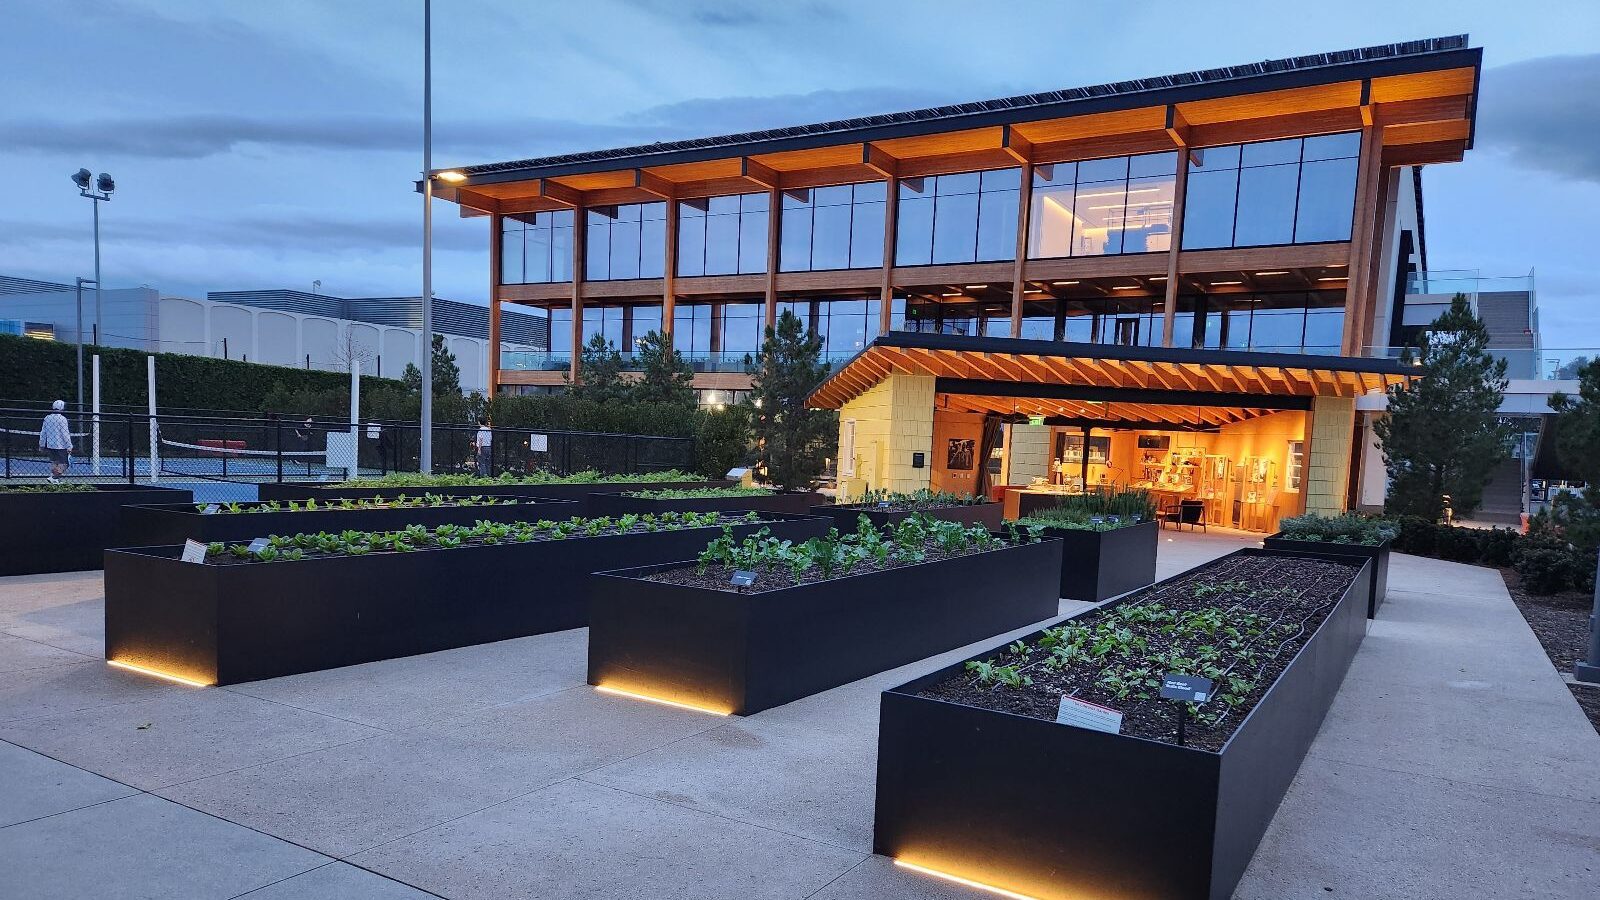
<point x="270" y="144"/>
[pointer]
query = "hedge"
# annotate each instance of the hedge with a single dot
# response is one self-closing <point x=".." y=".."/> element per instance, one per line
<point x="1545" y="560"/>
<point x="41" y="371"/>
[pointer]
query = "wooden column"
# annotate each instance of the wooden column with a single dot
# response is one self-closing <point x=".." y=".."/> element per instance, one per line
<point x="493" y="356"/>
<point x="580" y="240"/>
<point x="891" y="225"/>
<point x="1180" y="190"/>
<point x="774" y="221"/>
<point x="1361" y="237"/>
<point x="1024" y="213"/>
<point x="1368" y="302"/>
<point x="669" y="272"/>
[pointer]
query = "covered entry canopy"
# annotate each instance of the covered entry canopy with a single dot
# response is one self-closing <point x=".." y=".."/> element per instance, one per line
<point x="1107" y="385"/>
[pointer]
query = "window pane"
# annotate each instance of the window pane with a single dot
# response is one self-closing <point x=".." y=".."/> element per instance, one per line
<point x="1327" y="201"/>
<point x="1278" y="323"/>
<point x="1153" y="164"/>
<point x="1054" y="174"/>
<point x="691" y="241"/>
<point x="561" y="246"/>
<point x="1113" y="169"/>
<point x="753" y="238"/>
<point x="871" y="192"/>
<point x="652" y="247"/>
<point x="794" y="251"/>
<point x="797" y="199"/>
<point x="835" y="195"/>
<point x="830" y="236"/>
<point x="1333" y="146"/>
<point x="1324" y="322"/>
<point x="1266" y="205"/>
<point x="1050" y="222"/>
<point x="741" y="327"/>
<point x="749" y="203"/>
<point x="1271" y="153"/>
<point x="646" y="318"/>
<point x="625" y="247"/>
<point x="722" y="205"/>
<point x="561" y="330"/>
<point x="722" y="241"/>
<point x="962" y="183"/>
<point x="511" y="248"/>
<point x="955" y="226"/>
<point x="1099" y="210"/>
<point x="1001" y="180"/>
<point x="1147" y="223"/>
<point x="866" y="232"/>
<point x="914" y="232"/>
<point x="597" y="259"/>
<point x="997" y="224"/>
<point x="1210" y="159"/>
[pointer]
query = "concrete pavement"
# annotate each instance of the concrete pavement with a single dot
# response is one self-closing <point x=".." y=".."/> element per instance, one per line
<point x="1453" y="764"/>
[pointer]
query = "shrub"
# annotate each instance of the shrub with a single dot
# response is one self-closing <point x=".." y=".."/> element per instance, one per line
<point x="1349" y="528"/>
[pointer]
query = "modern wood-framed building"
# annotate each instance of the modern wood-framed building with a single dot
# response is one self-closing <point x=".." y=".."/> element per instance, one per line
<point x="1271" y="208"/>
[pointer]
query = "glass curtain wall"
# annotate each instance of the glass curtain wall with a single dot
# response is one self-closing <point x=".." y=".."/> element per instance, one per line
<point x="1281" y="322"/>
<point x="723" y="235"/>
<point x="966" y="217"/>
<point x="627" y="241"/>
<point x="1100" y="207"/>
<point x="536" y="248"/>
<point x="1295" y="191"/>
<point x="838" y="227"/>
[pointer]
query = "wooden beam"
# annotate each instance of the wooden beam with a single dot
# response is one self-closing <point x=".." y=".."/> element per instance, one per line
<point x="1360" y="235"/>
<point x="477" y="201"/>
<point x="560" y="192"/>
<point x="891" y="218"/>
<point x="579" y="260"/>
<point x="774" y="221"/>
<point x="1177" y="127"/>
<point x="1180" y="191"/>
<point x="878" y="160"/>
<point x="494" y="308"/>
<point x="760" y="173"/>
<point x="655" y="184"/>
<point x="1366" y="103"/>
<point x="669" y="271"/>
<point x="1024" y="213"/>
<point x="1016" y="146"/>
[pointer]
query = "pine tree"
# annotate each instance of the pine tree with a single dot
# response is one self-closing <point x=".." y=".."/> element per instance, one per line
<point x="446" y="374"/>
<point x="1577" y="424"/>
<point x="665" y="377"/>
<point x="792" y="442"/>
<point x="600" y="373"/>
<point x="1443" y="436"/>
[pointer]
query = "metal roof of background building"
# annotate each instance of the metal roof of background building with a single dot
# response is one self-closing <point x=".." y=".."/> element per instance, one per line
<point x="985" y="112"/>
<point x="449" y="316"/>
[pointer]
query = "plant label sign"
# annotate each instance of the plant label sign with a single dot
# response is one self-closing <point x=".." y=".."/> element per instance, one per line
<point x="194" y="551"/>
<point x="1191" y="688"/>
<point x="1092" y="716"/>
<point x="210" y="509"/>
<point x="742" y="579"/>
<point x="538" y="443"/>
<point x="259" y="544"/>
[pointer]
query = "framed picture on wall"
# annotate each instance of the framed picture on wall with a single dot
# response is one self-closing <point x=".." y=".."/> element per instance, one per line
<point x="959" y="456"/>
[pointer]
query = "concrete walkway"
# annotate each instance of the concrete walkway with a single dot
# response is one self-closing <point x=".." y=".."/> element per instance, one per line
<point x="1454" y="764"/>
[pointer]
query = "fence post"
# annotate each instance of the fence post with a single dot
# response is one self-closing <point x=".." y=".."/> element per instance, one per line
<point x="277" y="442"/>
<point x="127" y="453"/>
<point x="6" y="429"/>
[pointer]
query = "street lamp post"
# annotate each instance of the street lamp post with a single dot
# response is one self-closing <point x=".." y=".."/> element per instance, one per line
<point x="81" y="282"/>
<point x="425" y="457"/>
<point x="97" y="189"/>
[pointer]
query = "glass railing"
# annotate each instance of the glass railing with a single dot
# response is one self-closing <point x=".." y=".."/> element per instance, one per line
<point x="1450" y="282"/>
<point x="541" y="361"/>
<point x="1536" y="364"/>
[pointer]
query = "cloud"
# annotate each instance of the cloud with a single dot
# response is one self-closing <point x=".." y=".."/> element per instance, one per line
<point x="291" y="230"/>
<point x="1544" y="114"/>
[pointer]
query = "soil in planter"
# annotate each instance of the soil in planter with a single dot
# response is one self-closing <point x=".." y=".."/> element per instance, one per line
<point x="1275" y="603"/>
<point x="1561" y="623"/>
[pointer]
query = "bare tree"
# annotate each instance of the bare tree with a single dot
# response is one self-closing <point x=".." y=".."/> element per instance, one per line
<point x="348" y="351"/>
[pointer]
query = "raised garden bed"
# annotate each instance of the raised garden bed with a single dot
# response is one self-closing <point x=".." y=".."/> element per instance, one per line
<point x="1378" y="554"/>
<point x="1100" y="563"/>
<point x="891" y="509"/>
<point x="977" y="779"/>
<point x="174" y="523"/>
<point x="577" y="492"/>
<point x="676" y="633"/>
<point x="708" y="499"/>
<point x="230" y="620"/>
<point x="67" y="530"/>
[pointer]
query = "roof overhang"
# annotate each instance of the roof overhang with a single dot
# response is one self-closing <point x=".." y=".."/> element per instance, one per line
<point x="1103" y="384"/>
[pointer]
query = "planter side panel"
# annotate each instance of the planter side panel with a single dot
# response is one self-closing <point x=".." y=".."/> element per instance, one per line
<point x="663" y="641"/>
<point x="1096" y="565"/>
<point x="1046" y="810"/>
<point x="1261" y="759"/>
<point x="68" y="532"/>
<point x="161" y="613"/>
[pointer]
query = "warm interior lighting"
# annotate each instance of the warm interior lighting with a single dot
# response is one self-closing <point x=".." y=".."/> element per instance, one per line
<point x="1158" y="278"/>
<point x="1225" y="283"/>
<point x="951" y="294"/>
<point x="157" y="674"/>
<point x="452" y="176"/>
<point x="1128" y="287"/>
<point x="957" y="879"/>
<point x="1335" y="278"/>
<point x="1062" y="283"/>
<point x="1270" y="273"/>
<point x="976" y="287"/>
<point x="664" y="702"/>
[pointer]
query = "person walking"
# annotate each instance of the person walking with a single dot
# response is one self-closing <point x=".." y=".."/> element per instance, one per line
<point x="484" y="441"/>
<point x="55" y="439"/>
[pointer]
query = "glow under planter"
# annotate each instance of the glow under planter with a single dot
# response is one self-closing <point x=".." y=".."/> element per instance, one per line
<point x="68" y="531"/>
<point x="173" y="523"/>
<point x="1378" y="553"/>
<point x="1055" y="811"/>
<point x="229" y="623"/>
<point x="742" y="653"/>
<point x="987" y="514"/>
<point x="792" y="502"/>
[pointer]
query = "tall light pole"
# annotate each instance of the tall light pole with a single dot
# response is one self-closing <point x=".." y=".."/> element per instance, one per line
<point x="81" y="282"/>
<point x="425" y="457"/>
<point x="97" y="189"/>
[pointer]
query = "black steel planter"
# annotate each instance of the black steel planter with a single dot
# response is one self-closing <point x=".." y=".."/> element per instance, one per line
<point x="224" y="624"/>
<point x="67" y="531"/>
<point x="742" y="653"/>
<point x="174" y="523"/>
<point x="578" y="493"/>
<point x="986" y="514"/>
<point x="1054" y="811"/>
<point x="1378" y="553"/>
<point x="615" y="504"/>
<point x="1098" y="565"/>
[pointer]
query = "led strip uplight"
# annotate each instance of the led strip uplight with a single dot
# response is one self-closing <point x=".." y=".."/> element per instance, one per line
<point x="664" y="702"/>
<point x="957" y="879"/>
<point x="157" y="674"/>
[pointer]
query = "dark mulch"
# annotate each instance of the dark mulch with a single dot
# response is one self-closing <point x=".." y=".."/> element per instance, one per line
<point x="1561" y="623"/>
<point x="1295" y="593"/>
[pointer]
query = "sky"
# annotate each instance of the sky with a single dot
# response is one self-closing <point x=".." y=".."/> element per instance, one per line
<point x="271" y="144"/>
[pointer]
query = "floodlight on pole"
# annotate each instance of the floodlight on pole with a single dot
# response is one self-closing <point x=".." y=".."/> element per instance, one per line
<point x="97" y="188"/>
